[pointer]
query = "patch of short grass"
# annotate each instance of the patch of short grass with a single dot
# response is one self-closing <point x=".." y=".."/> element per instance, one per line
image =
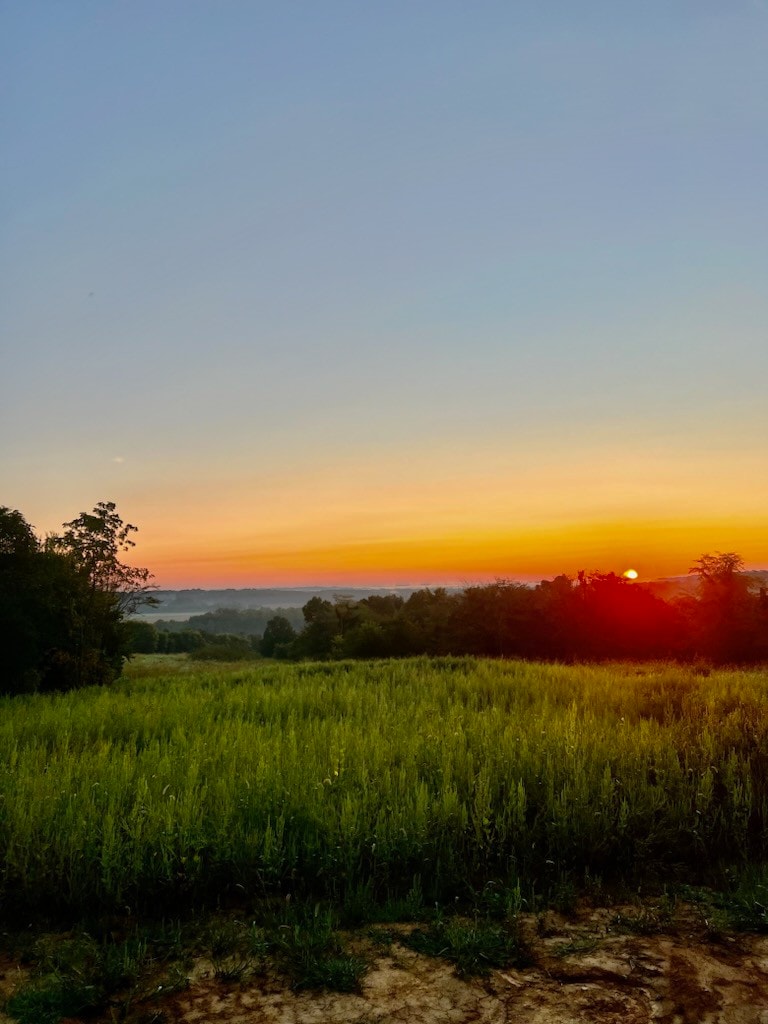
<point x="78" y="974"/>
<point x="236" y="949"/>
<point x="742" y="905"/>
<point x="474" y="946"/>
<point x="340" y="973"/>
<point x="47" y="1001"/>
<point x="311" y="951"/>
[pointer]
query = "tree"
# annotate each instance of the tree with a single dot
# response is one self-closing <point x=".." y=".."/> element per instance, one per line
<point x="430" y="622"/>
<point x="726" y="609"/>
<point x="278" y="633"/>
<point x="111" y="590"/>
<point x="95" y="541"/>
<point x="615" y="618"/>
<point x="143" y="637"/>
<point x="25" y="601"/>
<point x="63" y="603"/>
<point x="322" y="627"/>
<point x="718" y="569"/>
<point x="17" y="538"/>
<point x="496" y="618"/>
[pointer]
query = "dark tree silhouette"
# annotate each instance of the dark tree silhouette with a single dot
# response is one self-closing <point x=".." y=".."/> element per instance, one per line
<point x="278" y="635"/>
<point x="63" y="603"/>
<point x="728" y="613"/>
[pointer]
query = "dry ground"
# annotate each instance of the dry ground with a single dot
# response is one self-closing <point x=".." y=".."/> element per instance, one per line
<point x="586" y="968"/>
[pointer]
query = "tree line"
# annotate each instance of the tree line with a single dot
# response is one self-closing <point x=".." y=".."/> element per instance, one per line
<point x="592" y="617"/>
<point x="65" y="603"/>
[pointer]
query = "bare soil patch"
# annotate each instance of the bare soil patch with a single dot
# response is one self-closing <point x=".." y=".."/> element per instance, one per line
<point x="585" y="969"/>
<point x="601" y="966"/>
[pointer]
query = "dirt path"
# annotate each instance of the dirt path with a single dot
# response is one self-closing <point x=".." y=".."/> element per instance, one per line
<point x="584" y="971"/>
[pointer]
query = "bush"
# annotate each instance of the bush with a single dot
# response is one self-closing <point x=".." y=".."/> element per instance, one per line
<point x="225" y="648"/>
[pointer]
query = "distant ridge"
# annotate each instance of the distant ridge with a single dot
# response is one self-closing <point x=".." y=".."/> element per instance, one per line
<point x="192" y="602"/>
<point x="178" y="603"/>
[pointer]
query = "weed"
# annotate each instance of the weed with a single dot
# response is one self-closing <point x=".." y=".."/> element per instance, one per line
<point x="259" y="945"/>
<point x="564" y="896"/>
<point x="359" y="905"/>
<point x="577" y="947"/>
<point x="474" y="946"/>
<point x="741" y="906"/>
<point x="47" y="1001"/>
<point x="174" y="979"/>
<point x="384" y="938"/>
<point x="411" y="907"/>
<point x="388" y="781"/>
<point x="499" y="901"/>
<point x="230" y="946"/>
<point x="649" y="919"/>
<point x="340" y="973"/>
<point x="313" y="955"/>
<point x="76" y="974"/>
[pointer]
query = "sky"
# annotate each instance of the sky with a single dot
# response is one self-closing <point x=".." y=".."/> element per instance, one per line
<point x="413" y="292"/>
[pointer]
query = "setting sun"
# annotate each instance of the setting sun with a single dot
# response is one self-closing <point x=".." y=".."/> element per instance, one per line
<point x="630" y="574"/>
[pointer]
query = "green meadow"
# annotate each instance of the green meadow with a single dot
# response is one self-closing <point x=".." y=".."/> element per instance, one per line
<point x="371" y="782"/>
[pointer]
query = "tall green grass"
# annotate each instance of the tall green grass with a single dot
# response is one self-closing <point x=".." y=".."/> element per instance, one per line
<point x="183" y="784"/>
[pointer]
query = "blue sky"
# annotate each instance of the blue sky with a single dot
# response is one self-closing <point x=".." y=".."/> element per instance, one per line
<point x="252" y="253"/>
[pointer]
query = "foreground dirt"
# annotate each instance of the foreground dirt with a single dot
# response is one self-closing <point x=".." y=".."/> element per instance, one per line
<point x="585" y="969"/>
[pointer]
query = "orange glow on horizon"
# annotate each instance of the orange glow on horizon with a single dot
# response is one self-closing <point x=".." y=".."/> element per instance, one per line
<point x="658" y="549"/>
<point x="452" y="515"/>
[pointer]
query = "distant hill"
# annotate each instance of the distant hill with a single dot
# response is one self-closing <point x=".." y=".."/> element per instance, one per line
<point x="180" y="603"/>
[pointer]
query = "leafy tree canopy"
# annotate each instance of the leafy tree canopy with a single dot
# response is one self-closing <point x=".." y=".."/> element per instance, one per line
<point x="16" y="535"/>
<point x="718" y="567"/>
<point x="95" y="541"/>
<point x="63" y="602"/>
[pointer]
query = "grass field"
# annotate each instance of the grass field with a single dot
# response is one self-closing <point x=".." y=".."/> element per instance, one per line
<point x="370" y="783"/>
